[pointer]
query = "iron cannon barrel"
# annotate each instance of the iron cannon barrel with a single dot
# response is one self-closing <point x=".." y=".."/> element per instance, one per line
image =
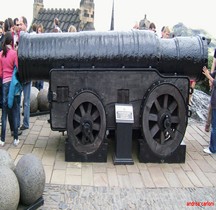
<point x="39" y="53"/>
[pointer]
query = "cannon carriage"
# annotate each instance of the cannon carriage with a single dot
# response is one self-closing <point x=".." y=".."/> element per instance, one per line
<point x="90" y="72"/>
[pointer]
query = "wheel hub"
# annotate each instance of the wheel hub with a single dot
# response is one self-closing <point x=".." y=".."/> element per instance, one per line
<point x="87" y="129"/>
<point x="164" y="119"/>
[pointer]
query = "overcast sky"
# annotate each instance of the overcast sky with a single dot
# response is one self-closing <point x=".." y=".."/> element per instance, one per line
<point x="193" y="13"/>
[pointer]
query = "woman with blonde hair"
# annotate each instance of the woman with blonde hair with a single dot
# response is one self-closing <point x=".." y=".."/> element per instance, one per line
<point x="72" y="28"/>
<point x="165" y="32"/>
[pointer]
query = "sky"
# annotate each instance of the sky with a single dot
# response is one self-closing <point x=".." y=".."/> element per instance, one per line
<point x="194" y="14"/>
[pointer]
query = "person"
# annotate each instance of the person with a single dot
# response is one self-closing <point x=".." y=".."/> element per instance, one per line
<point x="210" y="76"/>
<point x="1" y="42"/>
<point x="16" y="33"/>
<point x="39" y="83"/>
<point x="192" y="86"/>
<point x="208" y="120"/>
<point x="8" y="25"/>
<point x="8" y="58"/>
<point x="40" y="29"/>
<point x="165" y="32"/>
<point x="26" y="86"/>
<point x="152" y="27"/>
<point x="136" y="25"/>
<point x="34" y="28"/>
<point x="72" y="28"/>
<point x="56" y="25"/>
<point x="1" y="37"/>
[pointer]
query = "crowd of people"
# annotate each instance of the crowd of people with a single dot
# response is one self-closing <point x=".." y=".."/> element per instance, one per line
<point x="11" y="90"/>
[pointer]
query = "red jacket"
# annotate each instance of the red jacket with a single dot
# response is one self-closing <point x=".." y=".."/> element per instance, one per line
<point x="7" y="65"/>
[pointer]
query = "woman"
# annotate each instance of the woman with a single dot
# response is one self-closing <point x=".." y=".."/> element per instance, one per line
<point x="210" y="76"/>
<point x="8" y="59"/>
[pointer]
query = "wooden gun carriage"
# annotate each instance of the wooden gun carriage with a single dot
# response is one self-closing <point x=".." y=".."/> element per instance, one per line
<point x="90" y="72"/>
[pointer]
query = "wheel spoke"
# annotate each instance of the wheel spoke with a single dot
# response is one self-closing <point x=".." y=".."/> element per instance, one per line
<point x="154" y="130"/>
<point x="91" y="138"/>
<point x="78" y="130"/>
<point x="77" y="118"/>
<point x="165" y="104"/>
<point x="89" y="108"/>
<point x="153" y="117"/>
<point x="95" y="115"/>
<point x="96" y="127"/>
<point x="83" y="140"/>
<point x="158" y="107"/>
<point x="82" y="110"/>
<point x="162" y="137"/>
<point x="172" y="107"/>
<point x="175" y="119"/>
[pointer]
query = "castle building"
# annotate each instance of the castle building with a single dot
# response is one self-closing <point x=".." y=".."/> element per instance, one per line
<point x="82" y="18"/>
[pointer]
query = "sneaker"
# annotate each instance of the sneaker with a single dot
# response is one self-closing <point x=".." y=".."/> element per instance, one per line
<point x="206" y="150"/>
<point x="19" y="133"/>
<point x="23" y="128"/>
<point x="16" y="142"/>
<point x="207" y="128"/>
<point x="2" y="143"/>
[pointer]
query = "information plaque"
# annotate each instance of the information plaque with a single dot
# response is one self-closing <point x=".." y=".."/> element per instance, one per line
<point x="124" y="113"/>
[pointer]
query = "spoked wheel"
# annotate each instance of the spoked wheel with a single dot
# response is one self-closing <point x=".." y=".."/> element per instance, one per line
<point x="86" y="123"/>
<point x="164" y="119"/>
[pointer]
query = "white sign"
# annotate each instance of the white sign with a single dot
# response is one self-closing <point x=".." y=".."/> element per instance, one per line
<point x="124" y="113"/>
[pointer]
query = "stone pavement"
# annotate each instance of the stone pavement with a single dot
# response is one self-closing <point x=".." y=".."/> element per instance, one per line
<point x="75" y="185"/>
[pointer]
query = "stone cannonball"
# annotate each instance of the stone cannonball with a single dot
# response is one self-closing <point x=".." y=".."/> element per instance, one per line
<point x="34" y="100"/>
<point x="6" y="160"/>
<point x="43" y="103"/>
<point x="31" y="176"/>
<point x="9" y="189"/>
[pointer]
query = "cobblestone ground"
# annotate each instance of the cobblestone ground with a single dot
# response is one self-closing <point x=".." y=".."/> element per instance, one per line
<point x="67" y="197"/>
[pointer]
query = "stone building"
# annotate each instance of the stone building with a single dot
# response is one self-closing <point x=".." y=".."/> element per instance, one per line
<point x="82" y="18"/>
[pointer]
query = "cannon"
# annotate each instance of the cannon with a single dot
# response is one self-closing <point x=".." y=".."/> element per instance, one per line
<point x="90" y="72"/>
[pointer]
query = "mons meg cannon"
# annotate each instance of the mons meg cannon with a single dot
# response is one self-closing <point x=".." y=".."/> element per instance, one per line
<point x="90" y="72"/>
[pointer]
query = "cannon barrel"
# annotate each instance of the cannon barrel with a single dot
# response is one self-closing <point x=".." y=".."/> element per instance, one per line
<point x="38" y="54"/>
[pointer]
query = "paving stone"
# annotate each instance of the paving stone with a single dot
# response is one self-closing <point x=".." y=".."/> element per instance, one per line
<point x="58" y="177"/>
<point x="147" y="179"/>
<point x="88" y="197"/>
<point x="100" y="179"/>
<point x="48" y="157"/>
<point x="112" y="177"/>
<point x="172" y="179"/>
<point x="87" y="175"/>
<point x="26" y="149"/>
<point x="75" y="185"/>
<point x="136" y="180"/>
<point x="124" y="181"/>
<point x="183" y="178"/>
<point x="158" y="177"/>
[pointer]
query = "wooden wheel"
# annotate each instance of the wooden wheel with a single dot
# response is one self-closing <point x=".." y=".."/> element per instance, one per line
<point x="164" y="119"/>
<point x="86" y="122"/>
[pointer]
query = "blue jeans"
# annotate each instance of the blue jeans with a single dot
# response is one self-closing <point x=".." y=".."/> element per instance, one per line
<point x="0" y="92"/>
<point x="39" y="84"/>
<point x="26" y="108"/>
<point x="11" y="113"/>
<point x="212" y="146"/>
